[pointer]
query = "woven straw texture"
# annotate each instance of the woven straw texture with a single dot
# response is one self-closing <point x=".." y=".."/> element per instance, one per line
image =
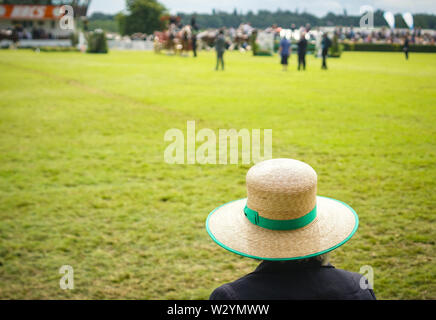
<point x="282" y="189"/>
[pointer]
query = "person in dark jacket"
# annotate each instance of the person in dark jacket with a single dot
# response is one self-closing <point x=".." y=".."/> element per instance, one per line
<point x="285" y="50"/>
<point x="309" y="279"/>
<point x="284" y="223"/>
<point x="194" y="42"/>
<point x="194" y="36"/>
<point x="325" y="45"/>
<point x="220" y="48"/>
<point x="406" y="46"/>
<point x="302" y="48"/>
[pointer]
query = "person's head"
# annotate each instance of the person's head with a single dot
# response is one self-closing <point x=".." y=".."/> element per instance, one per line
<point x="221" y="31"/>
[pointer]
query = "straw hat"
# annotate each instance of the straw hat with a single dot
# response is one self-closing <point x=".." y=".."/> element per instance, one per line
<point x="282" y="218"/>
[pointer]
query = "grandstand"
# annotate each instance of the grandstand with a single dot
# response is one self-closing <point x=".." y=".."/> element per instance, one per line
<point x="37" y="19"/>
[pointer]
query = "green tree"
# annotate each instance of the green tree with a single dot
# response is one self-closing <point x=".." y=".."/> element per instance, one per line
<point x="121" y="21"/>
<point x="143" y="16"/>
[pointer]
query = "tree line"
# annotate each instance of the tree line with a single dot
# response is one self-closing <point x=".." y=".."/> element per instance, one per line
<point x="284" y="18"/>
<point x="144" y="16"/>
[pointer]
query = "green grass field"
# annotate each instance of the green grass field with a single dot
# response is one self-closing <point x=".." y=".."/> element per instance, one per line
<point x="83" y="180"/>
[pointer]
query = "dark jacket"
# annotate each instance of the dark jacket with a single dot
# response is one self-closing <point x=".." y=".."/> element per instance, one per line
<point x="302" y="46"/>
<point x="406" y="44"/>
<point x="325" y="43"/>
<point x="220" y="44"/>
<point x="274" y="280"/>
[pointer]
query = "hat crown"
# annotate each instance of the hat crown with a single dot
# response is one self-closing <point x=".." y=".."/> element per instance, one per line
<point x="281" y="189"/>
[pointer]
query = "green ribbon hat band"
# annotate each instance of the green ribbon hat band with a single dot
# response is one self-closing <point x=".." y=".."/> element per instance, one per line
<point x="255" y="218"/>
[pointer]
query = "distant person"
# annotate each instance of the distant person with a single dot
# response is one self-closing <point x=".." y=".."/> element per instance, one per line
<point x="185" y="38"/>
<point x="15" y="37"/>
<point x="194" y="31"/>
<point x="302" y="49"/>
<point x="325" y="45"/>
<point x="406" y="46"/>
<point x="220" y="48"/>
<point x="308" y="27"/>
<point x="285" y="51"/>
<point x="172" y="36"/>
<point x="194" y="41"/>
<point x="289" y="229"/>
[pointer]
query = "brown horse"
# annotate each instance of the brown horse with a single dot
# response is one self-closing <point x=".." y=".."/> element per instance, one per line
<point x="176" y="43"/>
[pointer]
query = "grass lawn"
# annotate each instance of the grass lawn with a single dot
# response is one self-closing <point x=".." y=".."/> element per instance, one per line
<point x="83" y="181"/>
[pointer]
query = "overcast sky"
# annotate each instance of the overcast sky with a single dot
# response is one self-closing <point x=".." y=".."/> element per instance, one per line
<point x="317" y="7"/>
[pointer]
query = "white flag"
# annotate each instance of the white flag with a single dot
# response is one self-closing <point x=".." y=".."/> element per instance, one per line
<point x="390" y="19"/>
<point x="408" y="18"/>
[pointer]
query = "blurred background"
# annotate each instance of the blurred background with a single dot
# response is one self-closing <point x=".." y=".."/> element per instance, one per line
<point x="87" y="93"/>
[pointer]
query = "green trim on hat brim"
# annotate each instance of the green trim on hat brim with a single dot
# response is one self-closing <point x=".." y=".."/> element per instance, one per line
<point x="283" y="259"/>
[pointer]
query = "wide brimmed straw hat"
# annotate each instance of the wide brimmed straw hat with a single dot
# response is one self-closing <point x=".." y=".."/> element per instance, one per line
<point x="282" y="218"/>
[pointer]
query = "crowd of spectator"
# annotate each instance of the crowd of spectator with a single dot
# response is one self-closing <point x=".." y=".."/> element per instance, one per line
<point x="18" y="32"/>
<point x="244" y="31"/>
<point x="386" y="35"/>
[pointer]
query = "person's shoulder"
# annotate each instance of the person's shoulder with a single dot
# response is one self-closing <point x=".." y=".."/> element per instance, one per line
<point x="232" y="290"/>
<point x="353" y="284"/>
<point x="350" y="275"/>
<point x="224" y="292"/>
